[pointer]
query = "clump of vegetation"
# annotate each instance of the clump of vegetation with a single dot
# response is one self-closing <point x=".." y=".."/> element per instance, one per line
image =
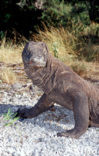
<point x="8" y="76"/>
<point x="57" y="13"/>
<point x="17" y="15"/>
<point x="61" y="42"/>
<point x="92" y="29"/>
<point x="10" y="53"/>
<point x="69" y="48"/>
<point x="89" y="47"/>
<point x="10" y="118"/>
<point x="90" y="52"/>
<point x="55" y="49"/>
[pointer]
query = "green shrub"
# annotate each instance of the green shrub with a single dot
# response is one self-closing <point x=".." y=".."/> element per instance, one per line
<point x="56" y="13"/>
<point x="10" y="118"/>
<point x="60" y="13"/>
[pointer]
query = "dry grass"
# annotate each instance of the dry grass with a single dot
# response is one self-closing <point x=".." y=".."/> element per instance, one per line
<point x="89" y="47"/>
<point x="8" y="76"/>
<point x="61" y="43"/>
<point x="89" y="51"/>
<point x="92" y="29"/>
<point x="10" y="53"/>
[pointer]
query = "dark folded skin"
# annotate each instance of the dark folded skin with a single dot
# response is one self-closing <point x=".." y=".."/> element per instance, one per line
<point x="60" y="85"/>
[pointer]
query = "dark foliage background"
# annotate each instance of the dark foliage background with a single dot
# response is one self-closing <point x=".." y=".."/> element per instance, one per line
<point x="23" y="17"/>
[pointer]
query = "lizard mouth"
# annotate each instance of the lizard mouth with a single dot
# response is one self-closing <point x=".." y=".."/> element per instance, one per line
<point x="34" y="66"/>
<point x="37" y="64"/>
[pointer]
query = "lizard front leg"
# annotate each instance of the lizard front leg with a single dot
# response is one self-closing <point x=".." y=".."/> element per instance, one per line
<point x="43" y="105"/>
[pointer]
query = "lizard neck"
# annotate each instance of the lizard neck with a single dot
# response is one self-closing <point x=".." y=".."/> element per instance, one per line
<point x="44" y="78"/>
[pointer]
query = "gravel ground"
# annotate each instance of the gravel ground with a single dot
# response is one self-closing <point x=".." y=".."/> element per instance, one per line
<point x="37" y="136"/>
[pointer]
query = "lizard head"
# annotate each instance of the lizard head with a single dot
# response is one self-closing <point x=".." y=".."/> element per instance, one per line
<point x="35" y="54"/>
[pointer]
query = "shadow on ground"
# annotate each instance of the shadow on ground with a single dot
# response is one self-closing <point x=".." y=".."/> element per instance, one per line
<point x="50" y="120"/>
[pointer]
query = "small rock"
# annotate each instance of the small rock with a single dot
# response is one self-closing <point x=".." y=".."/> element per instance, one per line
<point x="16" y="86"/>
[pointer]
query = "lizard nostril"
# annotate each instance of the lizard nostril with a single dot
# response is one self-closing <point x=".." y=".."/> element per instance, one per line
<point x="30" y="62"/>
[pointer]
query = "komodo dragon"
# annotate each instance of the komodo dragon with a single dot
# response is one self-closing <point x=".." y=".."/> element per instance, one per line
<point x="60" y="85"/>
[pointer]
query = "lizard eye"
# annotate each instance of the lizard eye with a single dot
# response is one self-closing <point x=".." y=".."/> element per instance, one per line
<point x="26" y="55"/>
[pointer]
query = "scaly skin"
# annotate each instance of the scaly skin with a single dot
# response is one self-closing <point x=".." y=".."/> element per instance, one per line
<point x="60" y="85"/>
